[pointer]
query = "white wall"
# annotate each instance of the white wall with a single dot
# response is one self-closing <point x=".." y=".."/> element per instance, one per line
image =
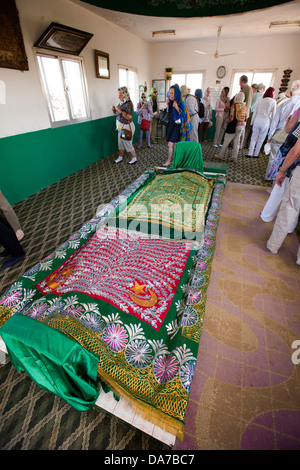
<point x="270" y="53"/>
<point x="25" y="109"/>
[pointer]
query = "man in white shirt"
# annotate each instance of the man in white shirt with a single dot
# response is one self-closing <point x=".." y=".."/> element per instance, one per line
<point x="276" y="134"/>
<point x="256" y="97"/>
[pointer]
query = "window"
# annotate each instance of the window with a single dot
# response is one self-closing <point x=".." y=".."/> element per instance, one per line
<point x="254" y="76"/>
<point x="128" y="78"/>
<point x="192" y="80"/>
<point x="65" y="89"/>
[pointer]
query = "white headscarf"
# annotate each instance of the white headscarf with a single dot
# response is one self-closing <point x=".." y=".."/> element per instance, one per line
<point x="184" y="90"/>
<point x="125" y="93"/>
<point x="295" y="89"/>
<point x="239" y="97"/>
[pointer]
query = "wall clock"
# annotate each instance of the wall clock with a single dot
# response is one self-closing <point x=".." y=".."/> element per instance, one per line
<point x="221" y="72"/>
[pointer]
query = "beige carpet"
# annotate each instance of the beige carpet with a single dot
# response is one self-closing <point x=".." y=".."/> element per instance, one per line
<point x="246" y="389"/>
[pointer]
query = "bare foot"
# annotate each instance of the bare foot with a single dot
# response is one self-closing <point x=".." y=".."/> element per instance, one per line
<point x="19" y="234"/>
<point x="218" y="156"/>
<point x="167" y="163"/>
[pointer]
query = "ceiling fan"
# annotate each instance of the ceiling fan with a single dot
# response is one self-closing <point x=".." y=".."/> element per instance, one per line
<point x="216" y="54"/>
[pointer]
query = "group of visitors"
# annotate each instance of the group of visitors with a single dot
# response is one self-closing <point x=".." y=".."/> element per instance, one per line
<point x="246" y="120"/>
<point x="252" y="109"/>
<point x="249" y="119"/>
<point x="189" y="118"/>
<point x="284" y="169"/>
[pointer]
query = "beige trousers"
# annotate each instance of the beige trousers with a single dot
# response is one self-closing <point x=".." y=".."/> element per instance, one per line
<point x="154" y="123"/>
<point x="9" y="213"/>
<point x="288" y="213"/>
<point x="237" y="139"/>
<point x="220" y="129"/>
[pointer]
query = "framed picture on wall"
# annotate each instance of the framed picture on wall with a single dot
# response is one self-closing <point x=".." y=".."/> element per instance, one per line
<point x="12" y="49"/>
<point x="102" y="64"/>
<point x="58" y="37"/>
<point x="160" y="85"/>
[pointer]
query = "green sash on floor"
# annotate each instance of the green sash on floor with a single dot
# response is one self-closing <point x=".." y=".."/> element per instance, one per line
<point x="188" y="155"/>
<point x="55" y="362"/>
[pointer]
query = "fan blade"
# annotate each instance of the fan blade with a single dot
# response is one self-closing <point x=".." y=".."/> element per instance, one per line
<point x="200" y="52"/>
<point x="231" y="53"/>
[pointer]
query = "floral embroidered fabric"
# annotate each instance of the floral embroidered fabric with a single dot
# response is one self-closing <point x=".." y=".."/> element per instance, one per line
<point x="136" y="302"/>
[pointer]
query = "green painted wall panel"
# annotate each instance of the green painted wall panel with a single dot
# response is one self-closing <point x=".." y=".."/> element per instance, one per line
<point x="32" y="161"/>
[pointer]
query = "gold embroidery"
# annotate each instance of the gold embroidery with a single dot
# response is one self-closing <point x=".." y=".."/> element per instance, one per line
<point x="143" y="302"/>
<point x="54" y="285"/>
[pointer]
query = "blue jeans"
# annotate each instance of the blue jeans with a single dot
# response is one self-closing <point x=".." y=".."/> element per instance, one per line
<point x="140" y="141"/>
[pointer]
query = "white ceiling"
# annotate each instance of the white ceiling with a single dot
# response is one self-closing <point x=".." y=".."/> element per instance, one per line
<point x="250" y="24"/>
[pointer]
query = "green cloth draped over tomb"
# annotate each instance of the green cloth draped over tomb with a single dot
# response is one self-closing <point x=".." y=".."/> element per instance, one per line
<point x="53" y="360"/>
<point x="188" y="155"/>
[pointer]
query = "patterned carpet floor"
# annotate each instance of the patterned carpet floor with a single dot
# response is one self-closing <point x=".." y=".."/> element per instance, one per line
<point x="33" y="419"/>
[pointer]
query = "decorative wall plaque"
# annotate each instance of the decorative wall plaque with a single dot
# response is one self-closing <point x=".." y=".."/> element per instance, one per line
<point x="12" y="49"/>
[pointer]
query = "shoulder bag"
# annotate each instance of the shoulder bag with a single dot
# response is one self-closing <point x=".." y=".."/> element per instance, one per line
<point x="145" y="125"/>
<point x="126" y="134"/>
<point x="164" y="117"/>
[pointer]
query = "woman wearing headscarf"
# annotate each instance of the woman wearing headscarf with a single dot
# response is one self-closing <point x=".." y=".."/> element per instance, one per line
<point x="153" y="100"/>
<point x="261" y="120"/>
<point x="124" y="114"/>
<point x="180" y="124"/>
<point x="239" y="111"/>
<point x="207" y="114"/>
<point x="222" y="110"/>
<point x="191" y="104"/>
<point x="144" y="112"/>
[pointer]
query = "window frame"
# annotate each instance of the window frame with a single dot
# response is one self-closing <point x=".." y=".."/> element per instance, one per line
<point x="244" y="71"/>
<point x="65" y="57"/>
<point x="129" y="68"/>
<point x="190" y="72"/>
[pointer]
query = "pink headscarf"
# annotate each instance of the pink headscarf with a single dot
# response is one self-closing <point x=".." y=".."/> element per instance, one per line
<point x="269" y="93"/>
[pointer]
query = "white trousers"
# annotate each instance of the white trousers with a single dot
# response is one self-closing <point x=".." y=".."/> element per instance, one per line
<point x="272" y="204"/>
<point x="259" y="132"/>
<point x="288" y="213"/>
<point x="194" y="132"/>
